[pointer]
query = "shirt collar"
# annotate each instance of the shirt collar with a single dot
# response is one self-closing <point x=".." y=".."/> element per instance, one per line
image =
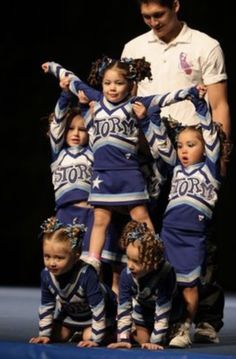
<point x="183" y="37"/>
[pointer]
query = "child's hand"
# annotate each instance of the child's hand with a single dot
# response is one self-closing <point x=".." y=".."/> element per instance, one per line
<point x="196" y="94"/>
<point x="91" y="107"/>
<point x="87" y="344"/>
<point x="64" y="83"/>
<point x="41" y="340"/>
<point x="45" y="67"/>
<point x="120" y="345"/>
<point x="202" y="90"/>
<point x="139" y="109"/>
<point x="82" y="97"/>
<point x="152" y="346"/>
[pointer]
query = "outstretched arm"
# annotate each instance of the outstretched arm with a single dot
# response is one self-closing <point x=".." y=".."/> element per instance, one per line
<point x="170" y="97"/>
<point x="155" y="132"/>
<point x="56" y="69"/>
<point x="76" y="85"/>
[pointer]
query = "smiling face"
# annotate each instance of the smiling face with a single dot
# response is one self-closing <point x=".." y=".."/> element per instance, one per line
<point x="115" y="86"/>
<point x="76" y="133"/>
<point x="162" y="19"/>
<point x="58" y="256"/>
<point x="190" y="147"/>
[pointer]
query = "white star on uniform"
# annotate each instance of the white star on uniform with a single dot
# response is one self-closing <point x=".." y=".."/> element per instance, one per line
<point x="97" y="182"/>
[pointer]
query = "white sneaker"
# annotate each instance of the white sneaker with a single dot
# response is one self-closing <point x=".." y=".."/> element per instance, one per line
<point x="182" y="337"/>
<point x="205" y="333"/>
<point x="96" y="263"/>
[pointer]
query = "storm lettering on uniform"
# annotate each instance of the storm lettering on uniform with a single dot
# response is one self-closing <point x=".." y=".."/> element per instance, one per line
<point x="71" y="174"/>
<point x="113" y="125"/>
<point x="185" y="186"/>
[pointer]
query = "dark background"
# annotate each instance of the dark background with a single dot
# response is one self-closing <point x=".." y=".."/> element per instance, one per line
<point x="75" y="33"/>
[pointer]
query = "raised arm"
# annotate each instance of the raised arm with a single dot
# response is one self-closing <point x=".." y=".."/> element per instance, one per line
<point x="209" y="130"/>
<point x="158" y="139"/>
<point x="58" y="123"/>
<point x="76" y="84"/>
<point x="155" y="132"/>
<point x="56" y="69"/>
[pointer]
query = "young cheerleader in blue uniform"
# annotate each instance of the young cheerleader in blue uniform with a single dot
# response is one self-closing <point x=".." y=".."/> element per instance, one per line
<point x="117" y="180"/>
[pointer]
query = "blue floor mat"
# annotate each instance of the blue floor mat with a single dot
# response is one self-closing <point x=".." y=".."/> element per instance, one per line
<point x="16" y="350"/>
<point x="19" y="322"/>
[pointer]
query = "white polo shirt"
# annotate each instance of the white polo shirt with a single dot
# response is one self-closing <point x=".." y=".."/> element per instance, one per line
<point x="191" y="58"/>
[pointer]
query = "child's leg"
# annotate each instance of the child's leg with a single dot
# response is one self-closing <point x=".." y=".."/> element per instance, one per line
<point x="116" y="270"/>
<point x="190" y="295"/>
<point x="140" y="214"/>
<point x="182" y="337"/>
<point x="102" y="218"/>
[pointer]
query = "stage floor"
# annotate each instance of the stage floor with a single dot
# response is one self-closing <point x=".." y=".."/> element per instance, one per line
<point x="19" y="322"/>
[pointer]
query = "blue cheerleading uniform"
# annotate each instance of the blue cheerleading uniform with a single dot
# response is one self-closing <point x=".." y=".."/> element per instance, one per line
<point x="192" y="198"/>
<point x="163" y="153"/>
<point x="145" y="305"/>
<point x="71" y="169"/>
<point x="71" y="166"/>
<point x="117" y="178"/>
<point x="77" y="300"/>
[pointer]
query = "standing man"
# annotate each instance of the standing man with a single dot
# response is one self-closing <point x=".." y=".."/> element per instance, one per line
<point x="182" y="57"/>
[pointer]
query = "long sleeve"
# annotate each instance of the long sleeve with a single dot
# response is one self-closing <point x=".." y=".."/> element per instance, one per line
<point x="96" y="302"/>
<point x="201" y="181"/>
<point x="58" y="71"/>
<point x="209" y="132"/>
<point x="47" y="307"/>
<point x="58" y="124"/>
<point x="156" y="134"/>
<point x="124" y="308"/>
<point x="76" y="84"/>
<point x="163" y="308"/>
<point x="76" y="300"/>
<point x="154" y="128"/>
<point x="166" y="99"/>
